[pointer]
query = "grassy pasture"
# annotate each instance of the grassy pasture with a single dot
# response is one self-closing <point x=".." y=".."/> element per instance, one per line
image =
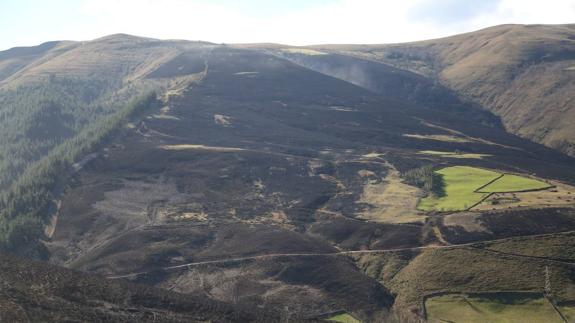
<point x="514" y="183"/>
<point x="445" y="138"/>
<point x="460" y="185"/>
<point x="560" y="196"/>
<point x="465" y="186"/>
<point x="483" y="308"/>
<point x="343" y="318"/>
<point x="568" y="312"/>
<point x="451" y="154"/>
<point x="304" y="51"/>
<point x="435" y="152"/>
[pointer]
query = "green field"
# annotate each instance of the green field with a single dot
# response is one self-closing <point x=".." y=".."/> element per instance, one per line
<point x="452" y="154"/>
<point x="344" y="318"/>
<point x="463" y="187"/>
<point x="514" y="183"/>
<point x="568" y="312"/>
<point x="460" y="184"/>
<point x="470" y="309"/>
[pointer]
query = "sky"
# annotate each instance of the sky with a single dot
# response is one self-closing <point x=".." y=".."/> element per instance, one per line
<point x="293" y="22"/>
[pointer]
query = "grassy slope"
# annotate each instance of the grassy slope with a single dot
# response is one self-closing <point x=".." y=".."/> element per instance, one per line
<point x="460" y="184"/>
<point x="501" y="266"/>
<point x="514" y="183"/>
<point x="465" y="270"/>
<point x="451" y="154"/>
<point x="344" y="318"/>
<point x="559" y="246"/>
<point x="568" y="312"/>
<point x="522" y="73"/>
<point x="456" y="308"/>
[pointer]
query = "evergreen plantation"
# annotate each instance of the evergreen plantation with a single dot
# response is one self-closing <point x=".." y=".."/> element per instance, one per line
<point x="36" y="117"/>
<point x="44" y="128"/>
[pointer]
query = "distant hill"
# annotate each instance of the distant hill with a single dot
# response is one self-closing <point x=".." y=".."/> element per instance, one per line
<point x="119" y="57"/>
<point x="50" y="92"/>
<point x="523" y="73"/>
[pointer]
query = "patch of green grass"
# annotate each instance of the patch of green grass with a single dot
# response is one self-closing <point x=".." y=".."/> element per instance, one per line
<point x="435" y="152"/>
<point x="463" y="187"/>
<point x="460" y="308"/>
<point x="304" y="51"/>
<point x="452" y="154"/>
<point x="445" y="138"/>
<point x="514" y="183"/>
<point x="568" y="312"/>
<point x="344" y="318"/>
<point x="460" y="184"/>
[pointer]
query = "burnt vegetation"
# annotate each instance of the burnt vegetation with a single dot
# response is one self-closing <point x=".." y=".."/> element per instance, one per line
<point x="242" y="187"/>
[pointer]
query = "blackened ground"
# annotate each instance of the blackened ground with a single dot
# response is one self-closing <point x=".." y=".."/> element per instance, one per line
<point x="265" y="157"/>
<point x="37" y="292"/>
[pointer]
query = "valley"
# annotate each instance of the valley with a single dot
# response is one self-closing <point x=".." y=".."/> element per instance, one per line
<point x="522" y="73"/>
<point x="257" y="178"/>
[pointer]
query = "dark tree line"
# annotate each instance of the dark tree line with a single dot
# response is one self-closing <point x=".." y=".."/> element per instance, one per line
<point x="36" y="117"/>
<point x="424" y="177"/>
<point x="26" y="205"/>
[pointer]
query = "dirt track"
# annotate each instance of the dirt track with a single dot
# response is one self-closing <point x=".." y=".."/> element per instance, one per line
<point x="351" y="252"/>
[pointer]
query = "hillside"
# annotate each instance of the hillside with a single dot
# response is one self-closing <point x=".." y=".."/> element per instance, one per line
<point x="264" y="157"/>
<point x="50" y="92"/>
<point x="522" y="73"/>
<point x="38" y="292"/>
<point x="301" y="183"/>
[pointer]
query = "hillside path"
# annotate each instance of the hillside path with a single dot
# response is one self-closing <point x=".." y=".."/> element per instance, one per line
<point x="354" y="252"/>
